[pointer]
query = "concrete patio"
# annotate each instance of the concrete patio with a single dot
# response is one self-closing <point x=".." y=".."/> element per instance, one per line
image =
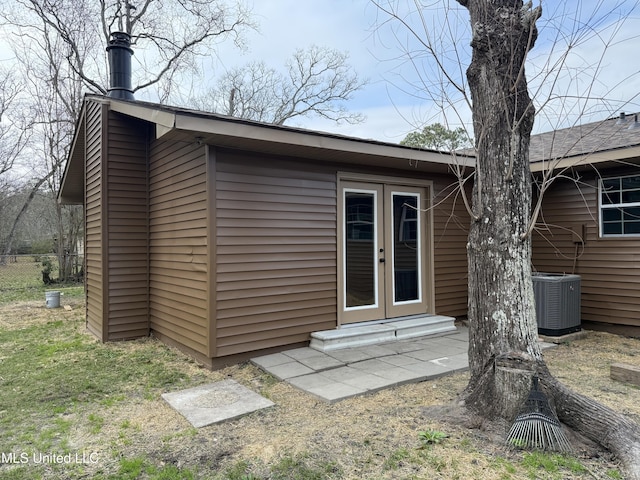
<point x="333" y="375"/>
<point x="339" y="374"/>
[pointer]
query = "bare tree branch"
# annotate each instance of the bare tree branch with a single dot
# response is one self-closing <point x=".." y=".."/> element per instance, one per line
<point x="170" y="35"/>
<point x="14" y="130"/>
<point x="318" y="82"/>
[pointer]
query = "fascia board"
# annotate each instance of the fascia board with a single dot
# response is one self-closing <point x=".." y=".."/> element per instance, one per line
<point x="312" y="139"/>
<point x="164" y="121"/>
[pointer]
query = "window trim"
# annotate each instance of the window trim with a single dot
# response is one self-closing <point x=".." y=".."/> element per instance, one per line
<point x="602" y="207"/>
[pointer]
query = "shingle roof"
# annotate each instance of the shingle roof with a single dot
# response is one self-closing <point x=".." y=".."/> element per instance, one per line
<point x="605" y="135"/>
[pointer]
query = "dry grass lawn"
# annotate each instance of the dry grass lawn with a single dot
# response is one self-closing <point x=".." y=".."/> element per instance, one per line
<point x="135" y="434"/>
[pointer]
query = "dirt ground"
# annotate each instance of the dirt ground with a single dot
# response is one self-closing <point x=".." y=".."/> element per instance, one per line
<point x="361" y="434"/>
<point x="373" y="436"/>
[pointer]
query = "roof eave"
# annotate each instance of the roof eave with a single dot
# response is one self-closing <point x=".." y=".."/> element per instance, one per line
<point x="72" y="192"/>
<point x="227" y="132"/>
<point x="613" y="157"/>
<point x="246" y="134"/>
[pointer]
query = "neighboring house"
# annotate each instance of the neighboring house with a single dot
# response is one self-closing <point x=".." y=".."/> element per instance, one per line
<point x="227" y="237"/>
<point x="590" y="219"/>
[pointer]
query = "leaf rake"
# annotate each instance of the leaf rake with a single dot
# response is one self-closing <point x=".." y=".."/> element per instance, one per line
<point x="537" y="426"/>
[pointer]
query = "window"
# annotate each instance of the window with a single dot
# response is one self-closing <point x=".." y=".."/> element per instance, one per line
<point x="408" y="206"/>
<point x="359" y="215"/>
<point x="620" y="206"/>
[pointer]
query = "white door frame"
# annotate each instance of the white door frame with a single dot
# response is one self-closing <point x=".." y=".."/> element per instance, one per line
<point x="385" y="305"/>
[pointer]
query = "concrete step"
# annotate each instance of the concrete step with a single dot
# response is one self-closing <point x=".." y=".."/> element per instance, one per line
<point x="375" y="333"/>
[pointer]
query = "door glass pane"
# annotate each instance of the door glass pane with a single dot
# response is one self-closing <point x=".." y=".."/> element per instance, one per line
<point x="406" y="242"/>
<point x="360" y="248"/>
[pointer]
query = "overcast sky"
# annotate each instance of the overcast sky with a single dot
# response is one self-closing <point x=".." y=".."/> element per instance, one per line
<point x="376" y="53"/>
<point x="346" y="25"/>
<point x="400" y="94"/>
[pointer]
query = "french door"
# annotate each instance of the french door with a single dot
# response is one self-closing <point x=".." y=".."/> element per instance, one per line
<point x="383" y="251"/>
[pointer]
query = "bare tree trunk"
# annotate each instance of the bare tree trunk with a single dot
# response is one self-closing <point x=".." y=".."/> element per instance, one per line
<point x="68" y="226"/>
<point x="503" y="350"/>
<point x="23" y="210"/>
<point x="61" y="245"/>
<point x="501" y="305"/>
<point x="610" y="429"/>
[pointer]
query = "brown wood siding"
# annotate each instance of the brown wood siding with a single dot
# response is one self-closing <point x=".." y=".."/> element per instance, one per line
<point x="609" y="267"/>
<point x="450" y="232"/>
<point x="276" y="253"/>
<point x="128" y="261"/>
<point x="178" y="223"/>
<point x="93" y="220"/>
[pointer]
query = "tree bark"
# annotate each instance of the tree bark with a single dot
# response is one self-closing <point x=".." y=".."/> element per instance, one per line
<point x="615" y="432"/>
<point x="503" y="344"/>
<point x="501" y="305"/>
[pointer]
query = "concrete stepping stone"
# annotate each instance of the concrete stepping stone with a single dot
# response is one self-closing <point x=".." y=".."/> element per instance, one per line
<point x="215" y="402"/>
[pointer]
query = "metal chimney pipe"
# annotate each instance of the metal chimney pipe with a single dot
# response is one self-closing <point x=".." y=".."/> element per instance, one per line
<point x="120" y="52"/>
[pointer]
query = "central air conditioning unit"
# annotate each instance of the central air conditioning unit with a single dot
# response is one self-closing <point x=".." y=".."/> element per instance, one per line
<point x="557" y="299"/>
